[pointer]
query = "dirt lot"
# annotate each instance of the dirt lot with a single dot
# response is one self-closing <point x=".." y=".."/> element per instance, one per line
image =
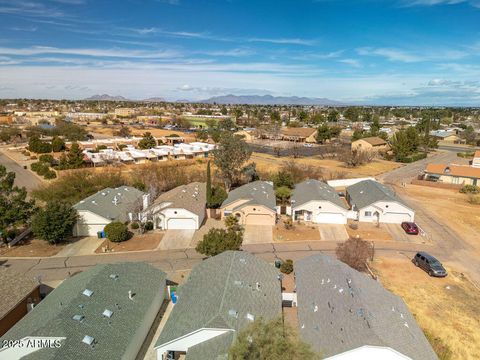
<point x="32" y="248"/>
<point x="136" y="243"/>
<point x="110" y="130"/>
<point x="299" y="232"/>
<point x="270" y="163"/>
<point x="368" y="231"/>
<point x="445" y="308"/>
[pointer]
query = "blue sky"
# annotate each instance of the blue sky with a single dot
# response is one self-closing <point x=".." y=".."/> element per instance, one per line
<point x="405" y="52"/>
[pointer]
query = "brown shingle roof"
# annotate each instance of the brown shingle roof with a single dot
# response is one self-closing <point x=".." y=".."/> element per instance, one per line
<point x="14" y="288"/>
<point x="375" y="141"/>
<point x="300" y="132"/>
<point x="453" y="170"/>
<point x="191" y="197"/>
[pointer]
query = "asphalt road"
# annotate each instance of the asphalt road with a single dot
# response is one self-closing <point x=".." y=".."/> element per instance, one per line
<point x="24" y="178"/>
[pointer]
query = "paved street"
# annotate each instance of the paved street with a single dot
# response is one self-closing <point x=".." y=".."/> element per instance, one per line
<point x="24" y="178"/>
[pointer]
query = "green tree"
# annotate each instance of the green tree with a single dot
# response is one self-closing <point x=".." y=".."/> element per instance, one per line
<point x="224" y="110"/>
<point x="58" y="144"/>
<point x="283" y="179"/>
<point x="39" y="146"/>
<point x="147" y="142"/>
<point x="72" y="159"/>
<point x="117" y="231"/>
<point x="351" y="114"/>
<point x="218" y="197"/>
<point x="209" y="184"/>
<point x="124" y="131"/>
<point x="270" y="340"/>
<point x="15" y="209"/>
<point x="231" y="154"/>
<point x="55" y="222"/>
<point x="333" y="116"/>
<point x="283" y="194"/>
<point x="217" y="241"/>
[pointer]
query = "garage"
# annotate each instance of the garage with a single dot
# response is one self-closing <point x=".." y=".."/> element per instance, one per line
<point x="181" y="224"/>
<point x="88" y="229"/>
<point x="330" y="218"/>
<point x="259" y="219"/>
<point x="395" y="218"/>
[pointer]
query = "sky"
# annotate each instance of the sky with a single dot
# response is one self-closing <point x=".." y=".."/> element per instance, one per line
<point x="384" y="52"/>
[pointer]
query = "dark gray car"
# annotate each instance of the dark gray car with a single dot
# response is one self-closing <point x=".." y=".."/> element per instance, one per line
<point x="428" y="263"/>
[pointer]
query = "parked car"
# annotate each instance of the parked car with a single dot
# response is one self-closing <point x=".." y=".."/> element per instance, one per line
<point x="428" y="263"/>
<point x="410" y="228"/>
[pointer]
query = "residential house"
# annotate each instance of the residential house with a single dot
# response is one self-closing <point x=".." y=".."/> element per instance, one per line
<point x="476" y="159"/>
<point x="180" y="208"/>
<point x="20" y="294"/>
<point x="307" y="135"/>
<point x="375" y="202"/>
<point x="373" y="143"/>
<point x="98" y="210"/>
<point x="317" y="202"/>
<point x="446" y="136"/>
<point x="452" y="174"/>
<point x="344" y="314"/>
<point x="222" y="296"/>
<point x="251" y="204"/>
<point x="104" y="312"/>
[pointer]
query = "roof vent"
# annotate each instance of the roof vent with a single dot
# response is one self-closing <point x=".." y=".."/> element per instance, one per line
<point x="113" y="276"/>
<point x="87" y="292"/>
<point x="88" y="340"/>
<point x="107" y="313"/>
<point x="243" y="261"/>
<point x="78" y="317"/>
<point x="250" y="317"/>
<point x="233" y="313"/>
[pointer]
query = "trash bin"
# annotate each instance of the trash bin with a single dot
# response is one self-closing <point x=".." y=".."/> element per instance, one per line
<point x="99" y="234"/>
<point x="278" y="263"/>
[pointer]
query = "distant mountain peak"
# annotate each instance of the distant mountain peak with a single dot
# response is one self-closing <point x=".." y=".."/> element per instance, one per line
<point x="269" y="100"/>
<point x="155" y="99"/>
<point x="106" y="97"/>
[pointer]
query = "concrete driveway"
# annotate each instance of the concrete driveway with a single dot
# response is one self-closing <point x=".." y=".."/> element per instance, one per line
<point x="176" y="239"/>
<point x="333" y="232"/>
<point x="399" y="234"/>
<point x="258" y="234"/>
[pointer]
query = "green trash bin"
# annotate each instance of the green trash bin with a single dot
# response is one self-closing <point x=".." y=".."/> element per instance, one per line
<point x="278" y="263"/>
<point x="100" y="234"/>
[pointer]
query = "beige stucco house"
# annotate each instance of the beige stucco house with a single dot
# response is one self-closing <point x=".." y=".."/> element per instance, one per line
<point x="307" y="135"/>
<point x="252" y="204"/>
<point x="453" y="174"/>
<point x="373" y="143"/>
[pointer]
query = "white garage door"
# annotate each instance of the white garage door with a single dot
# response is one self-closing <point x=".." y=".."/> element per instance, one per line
<point x="88" y="229"/>
<point x="181" y="224"/>
<point x="330" y="218"/>
<point x="259" y="219"/>
<point x="395" y="218"/>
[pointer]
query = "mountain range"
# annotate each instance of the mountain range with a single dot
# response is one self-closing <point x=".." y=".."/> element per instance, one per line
<point x="269" y="100"/>
<point x="106" y="97"/>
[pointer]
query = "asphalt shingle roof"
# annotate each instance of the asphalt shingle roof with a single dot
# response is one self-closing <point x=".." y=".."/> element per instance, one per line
<point x="103" y="202"/>
<point x="220" y="286"/>
<point x="213" y="349"/>
<point x="53" y="317"/>
<point x="257" y="192"/>
<point x="14" y="288"/>
<point x="191" y="197"/>
<point x="315" y="190"/>
<point x="367" y="192"/>
<point x="340" y="309"/>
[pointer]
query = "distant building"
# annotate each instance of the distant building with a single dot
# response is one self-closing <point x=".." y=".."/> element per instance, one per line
<point x="104" y="312"/>
<point x="344" y="314"/>
<point x="453" y="174"/>
<point x="373" y="143"/>
<point x="125" y="112"/>
<point x="222" y="296"/>
<point x="446" y="136"/>
<point x="106" y="206"/>
<point x="307" y="135"/>
<point x="19" y="295"/>
<point x="476" y="159"/>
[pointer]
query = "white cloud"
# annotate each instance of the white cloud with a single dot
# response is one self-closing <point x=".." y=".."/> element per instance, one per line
<point x="285" y="41"/>
<point x="474" y="3"/>
<point x="352" y="62"/>
<point x="400" y="55"/>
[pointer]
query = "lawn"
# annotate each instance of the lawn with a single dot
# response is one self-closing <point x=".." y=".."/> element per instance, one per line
<point x="445" y="308"/>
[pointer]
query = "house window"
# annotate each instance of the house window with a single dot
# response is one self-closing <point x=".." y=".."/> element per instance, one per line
<point x="368" y="214"/>
<point x="456" y="180"/>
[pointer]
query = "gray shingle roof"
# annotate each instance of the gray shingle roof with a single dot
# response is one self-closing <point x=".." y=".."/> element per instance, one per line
<point x="257" y="192"/>
<point x="191" y="197"/>
<point x="315" y="190"/>
<point x="367" y="192"/>
<point x="340" y="309"/>
<point x="103" y="202"/>
<point x="14" y="288"/>
<point x="214" y="349"/>
<point x="54" y="315"/>
<point x="219" y="284"/>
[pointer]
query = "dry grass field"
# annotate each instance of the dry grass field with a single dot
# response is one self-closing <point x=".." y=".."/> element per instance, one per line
<point x="331" y="167"/>
<point x="368" y="231"/>
<point x="137" y="131"/>
<point x="299" y="232"/>
<point x="445" y="308"/>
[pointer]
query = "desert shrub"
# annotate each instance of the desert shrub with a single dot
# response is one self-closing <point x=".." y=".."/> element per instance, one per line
<point x="134" y="225"/>
<point x="217" y="241"/>
<point x="46" y="158"/>
<point x="299" y="172"/>
<point x="117" y="231"/>
<point x="287" y="266"/>
<point x="50" y="174"/>
<point x="288" y="223"/>
<point x="40" y="168"/>
<point x="148" y="226"/>
<point x="465" y="154"/>
<point x="357" y="157"/>
<point x="470" y="189"/>
<point x="474" y="199"/>
<point x="355" y="252"/>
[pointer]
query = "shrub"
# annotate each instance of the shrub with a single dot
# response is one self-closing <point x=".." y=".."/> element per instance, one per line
<point x="217" y="241"/>
<point x="282" y="194"/>
<point x="50" y="174"/>
<point x="470" y="189"/>
<point x="355" y="252"/>
<point x="411" y="158"/>
<point x="288" y="223"/>
<point x="55" y="222"/>
<point x="116" y="231"/>
<point x="287" y="266"/>
<point x="474" y="199"/>
<point x="46" y="158"/>
<point x="148" y="226"/>
<point x="40" y="168"/>
<point x="134" y="225"/>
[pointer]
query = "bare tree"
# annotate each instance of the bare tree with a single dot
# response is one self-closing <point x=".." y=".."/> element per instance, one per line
<point x="355" y="252"/>
<point x="357" y="157"/>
